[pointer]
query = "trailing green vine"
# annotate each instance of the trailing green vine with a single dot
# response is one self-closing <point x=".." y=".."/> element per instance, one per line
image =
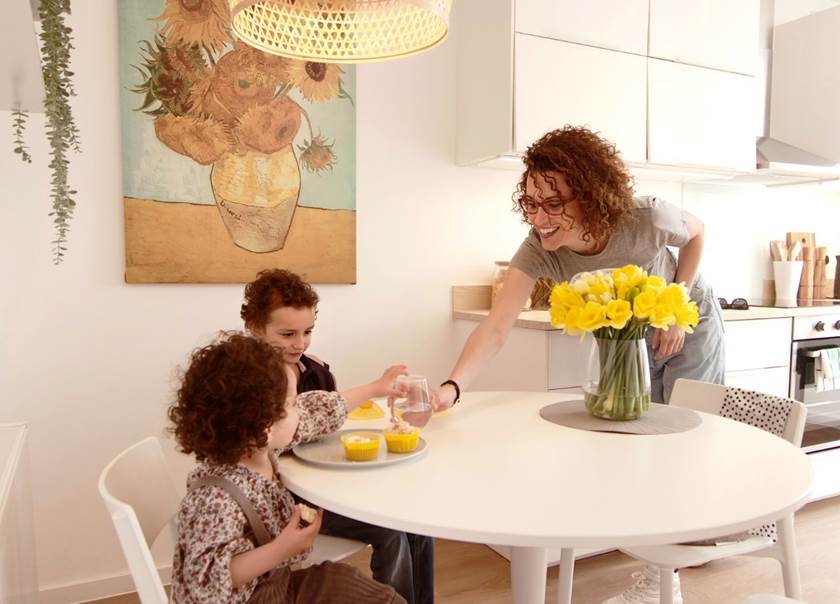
<point x="56" y="44"/>
<point x="19" y="117"/>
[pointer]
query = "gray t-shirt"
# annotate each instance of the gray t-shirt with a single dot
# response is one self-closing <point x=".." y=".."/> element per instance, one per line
<point x="643" y="241"/>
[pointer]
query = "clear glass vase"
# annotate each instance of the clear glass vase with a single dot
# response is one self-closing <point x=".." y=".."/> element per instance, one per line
<point x="618" y="381"/>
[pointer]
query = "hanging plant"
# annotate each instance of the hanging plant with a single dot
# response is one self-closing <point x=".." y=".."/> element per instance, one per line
<point x="56" y="44"/>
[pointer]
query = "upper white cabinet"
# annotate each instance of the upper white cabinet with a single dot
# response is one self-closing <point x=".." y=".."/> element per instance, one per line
<point x="699" y="116"/>
<point x="579" y="88"/>
<point x="602" y="23"/>
<point x="526" y="67"/>
<point x="720" y="34"/>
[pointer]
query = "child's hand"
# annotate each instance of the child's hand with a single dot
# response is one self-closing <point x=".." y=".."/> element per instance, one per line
<point x="293" y="539"/>
<point x="385" y="386"/>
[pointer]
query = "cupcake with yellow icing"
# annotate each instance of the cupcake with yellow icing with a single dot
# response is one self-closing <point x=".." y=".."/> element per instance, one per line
<point x="402" y="437"/>
<point x="367" y="410"/>
<point x="360" y="446"/>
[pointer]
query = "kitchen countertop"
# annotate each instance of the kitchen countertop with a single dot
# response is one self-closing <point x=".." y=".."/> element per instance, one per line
<point x="470" y="302"/>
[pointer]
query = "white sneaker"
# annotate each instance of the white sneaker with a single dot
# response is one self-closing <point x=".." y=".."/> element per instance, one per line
<point x="646" y="589"/>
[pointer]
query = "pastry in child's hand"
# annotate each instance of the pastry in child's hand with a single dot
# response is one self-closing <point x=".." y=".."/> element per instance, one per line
<point x="307" y="514"/>
<point x="367" y="410"/>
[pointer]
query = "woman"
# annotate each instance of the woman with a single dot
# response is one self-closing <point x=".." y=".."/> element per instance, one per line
<point x="577" y="195"/>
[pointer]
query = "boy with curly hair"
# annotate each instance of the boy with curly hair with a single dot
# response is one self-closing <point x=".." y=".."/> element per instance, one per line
<point x="280" y="308"/>
<point x="239" y="528"/>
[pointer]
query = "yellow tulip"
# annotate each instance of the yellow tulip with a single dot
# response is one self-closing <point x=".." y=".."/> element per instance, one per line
<point x="618" y="313"/>
<point x="674" y="295"/>
<point x="644" y="304"/>
<point x="571" y="322"/>
<point x="654" y="283"/>
<point x="629" y="276"/>
<point x="687" y="317"/>
<point x="564" y="295"/>
<point x="662" y="317"/>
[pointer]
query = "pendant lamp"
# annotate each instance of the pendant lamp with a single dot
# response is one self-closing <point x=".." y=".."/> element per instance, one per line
<point x="341" y="31"/>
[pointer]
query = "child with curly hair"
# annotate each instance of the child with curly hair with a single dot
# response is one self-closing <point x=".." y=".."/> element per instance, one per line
<point x="280" y="308"/>
<point x="239" y="530"/>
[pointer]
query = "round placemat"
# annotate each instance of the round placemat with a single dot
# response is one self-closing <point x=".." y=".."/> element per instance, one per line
<point x="659" y="419"/>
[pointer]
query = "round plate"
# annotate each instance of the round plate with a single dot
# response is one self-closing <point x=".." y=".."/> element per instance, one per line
<point x="330" y="452"/>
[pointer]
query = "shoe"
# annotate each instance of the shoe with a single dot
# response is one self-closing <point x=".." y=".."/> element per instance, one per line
<point x="646" y="589"/>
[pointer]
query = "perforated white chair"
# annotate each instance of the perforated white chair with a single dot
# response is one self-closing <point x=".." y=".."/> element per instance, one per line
<point x="709" y="398"/>
<point x="142" y="496"/>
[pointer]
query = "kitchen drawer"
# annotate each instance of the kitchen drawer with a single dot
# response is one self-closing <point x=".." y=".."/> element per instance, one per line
<point x="568" y="357"/>
<point x="772" y="380"/>
<point x="758" y="344"/>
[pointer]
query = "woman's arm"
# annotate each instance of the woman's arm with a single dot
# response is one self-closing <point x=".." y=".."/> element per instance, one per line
<point x="486" y="339"/>
<point x="690" y="254"/>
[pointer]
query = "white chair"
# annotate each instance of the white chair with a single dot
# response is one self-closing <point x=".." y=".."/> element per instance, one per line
<point x="709" y="398"/>
<point x="142" y="497"/>
<point x="769" y="599"/>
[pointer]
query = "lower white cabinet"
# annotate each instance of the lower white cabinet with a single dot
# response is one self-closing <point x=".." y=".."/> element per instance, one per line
<point x="771" y="380"/>
<point x="758" y="355"/>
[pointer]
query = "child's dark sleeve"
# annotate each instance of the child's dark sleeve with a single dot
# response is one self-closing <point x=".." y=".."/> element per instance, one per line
<point x="321" y="413"/>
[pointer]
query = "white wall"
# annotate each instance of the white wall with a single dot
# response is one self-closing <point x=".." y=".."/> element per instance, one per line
<point x="89" y="361"/>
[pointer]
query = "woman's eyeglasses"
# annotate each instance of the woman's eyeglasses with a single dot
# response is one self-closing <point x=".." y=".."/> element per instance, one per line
<point x="736" y="304"/>
<point x="553" y="206"/>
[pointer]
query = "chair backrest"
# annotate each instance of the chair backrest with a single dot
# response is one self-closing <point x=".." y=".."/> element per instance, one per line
<point x="142" y="499"/>
<point x="703" y="396"/>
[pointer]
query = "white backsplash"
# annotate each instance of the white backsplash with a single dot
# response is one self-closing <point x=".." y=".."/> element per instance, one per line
<point x="741" y="220"/>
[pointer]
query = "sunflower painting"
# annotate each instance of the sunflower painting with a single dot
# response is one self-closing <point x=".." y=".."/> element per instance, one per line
<point x="234" y="160"/>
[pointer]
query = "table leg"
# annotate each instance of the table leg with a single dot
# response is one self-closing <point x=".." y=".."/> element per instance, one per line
<point x="790" y="558"/>
<point x="527" y="574"/>
<point x="567" y="571"/>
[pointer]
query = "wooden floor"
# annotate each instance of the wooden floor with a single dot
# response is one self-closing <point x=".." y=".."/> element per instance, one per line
<point x="471" y="573"/>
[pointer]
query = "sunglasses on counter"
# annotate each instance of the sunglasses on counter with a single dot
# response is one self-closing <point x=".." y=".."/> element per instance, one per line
<point x="736" y="304"/>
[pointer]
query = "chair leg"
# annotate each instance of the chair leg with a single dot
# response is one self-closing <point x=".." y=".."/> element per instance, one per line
<point x="666" y="586"/>
<point x="789" y="558"/>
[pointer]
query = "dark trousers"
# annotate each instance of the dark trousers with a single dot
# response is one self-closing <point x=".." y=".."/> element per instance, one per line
<point x="402" y="560"/>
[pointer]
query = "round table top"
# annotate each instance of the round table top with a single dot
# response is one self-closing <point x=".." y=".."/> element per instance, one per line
<point x="496" y="472"/>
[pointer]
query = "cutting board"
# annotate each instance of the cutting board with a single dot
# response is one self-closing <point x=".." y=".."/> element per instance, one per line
<point x="806" y="239"/>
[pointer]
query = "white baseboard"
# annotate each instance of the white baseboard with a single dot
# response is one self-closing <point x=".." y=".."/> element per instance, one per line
<point x="95" y="589"/>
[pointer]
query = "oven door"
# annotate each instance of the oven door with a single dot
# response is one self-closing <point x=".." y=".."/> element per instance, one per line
<point x="815" y="380"/>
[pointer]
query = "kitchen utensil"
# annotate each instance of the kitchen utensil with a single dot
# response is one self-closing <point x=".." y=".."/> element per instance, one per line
<point x="778" y="250"/>
<point x="809" y="239"/>
<point x="795" y="251"/>
<point x="787" y="274"/>
<point x="806" y="284"/>
<point x="837" y="277"/>
<point x="820" y="260"/>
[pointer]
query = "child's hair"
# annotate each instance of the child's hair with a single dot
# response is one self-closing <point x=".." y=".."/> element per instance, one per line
<point x="232" y="392"/>
<point x="273" y="289"/>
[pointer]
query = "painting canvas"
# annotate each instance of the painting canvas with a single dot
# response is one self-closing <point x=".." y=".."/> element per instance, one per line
<point x="234" y="160"/>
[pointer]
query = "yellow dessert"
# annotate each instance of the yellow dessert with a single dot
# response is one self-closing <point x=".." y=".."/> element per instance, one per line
<point x="367" y="410"/>
<point x="402" y="437"/>
<point x="360" y="446"/>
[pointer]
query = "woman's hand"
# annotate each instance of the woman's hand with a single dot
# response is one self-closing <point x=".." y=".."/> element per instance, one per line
<point x="666" y="343"/>
<point x="294" y="539"/>
<point x="443" y="397"/>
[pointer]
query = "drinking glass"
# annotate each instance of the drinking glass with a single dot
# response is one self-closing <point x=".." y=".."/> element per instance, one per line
<point x="415" y="403"/>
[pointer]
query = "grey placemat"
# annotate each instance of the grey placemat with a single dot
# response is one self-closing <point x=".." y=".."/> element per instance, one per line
<point x="659" y="419"/>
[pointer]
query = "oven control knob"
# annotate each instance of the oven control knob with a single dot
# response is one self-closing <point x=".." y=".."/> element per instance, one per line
<point x="820" y="326"/>
<point x="837" y="325"/>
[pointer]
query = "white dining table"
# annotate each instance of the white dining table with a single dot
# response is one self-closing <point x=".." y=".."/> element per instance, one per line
<point x="495" y="472"/>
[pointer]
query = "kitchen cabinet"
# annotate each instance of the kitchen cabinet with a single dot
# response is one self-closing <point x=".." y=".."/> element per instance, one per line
<point x="758" y="355"/>
<point x="720" y="34"/>
<point x="699" y="116"/>
<point x="580" y="88"/>
<point x="602" y="23"/>
<point x="525" y="67"/>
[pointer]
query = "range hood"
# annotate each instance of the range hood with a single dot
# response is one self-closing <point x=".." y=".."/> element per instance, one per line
<point x="777" y="162"/>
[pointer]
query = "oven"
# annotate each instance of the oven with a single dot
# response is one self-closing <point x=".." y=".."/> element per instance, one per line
<point x="815" y="378"/>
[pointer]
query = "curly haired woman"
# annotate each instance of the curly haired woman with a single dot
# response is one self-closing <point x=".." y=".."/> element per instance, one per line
<point x="578" y="198"/>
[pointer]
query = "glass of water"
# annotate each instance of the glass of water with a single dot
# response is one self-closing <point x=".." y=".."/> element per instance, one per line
<point x="415" y="404"/>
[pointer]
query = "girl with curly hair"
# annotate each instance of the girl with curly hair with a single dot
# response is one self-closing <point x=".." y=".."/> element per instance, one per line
<point x="578" y="198"/>
<point x="280" y="308"/>
<point x="239" y="529"/>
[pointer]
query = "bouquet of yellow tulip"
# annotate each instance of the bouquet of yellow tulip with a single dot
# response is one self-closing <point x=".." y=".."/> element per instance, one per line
<point x="617" y="306"/>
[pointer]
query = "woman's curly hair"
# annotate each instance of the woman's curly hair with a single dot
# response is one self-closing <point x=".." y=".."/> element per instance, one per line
<point x="232" y="392"/>
<point x="593" y="169"/>
<point x="273" y="289"/>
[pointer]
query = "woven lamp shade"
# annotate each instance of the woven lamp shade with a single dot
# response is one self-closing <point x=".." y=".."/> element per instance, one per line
<point x="341" y="31"/>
